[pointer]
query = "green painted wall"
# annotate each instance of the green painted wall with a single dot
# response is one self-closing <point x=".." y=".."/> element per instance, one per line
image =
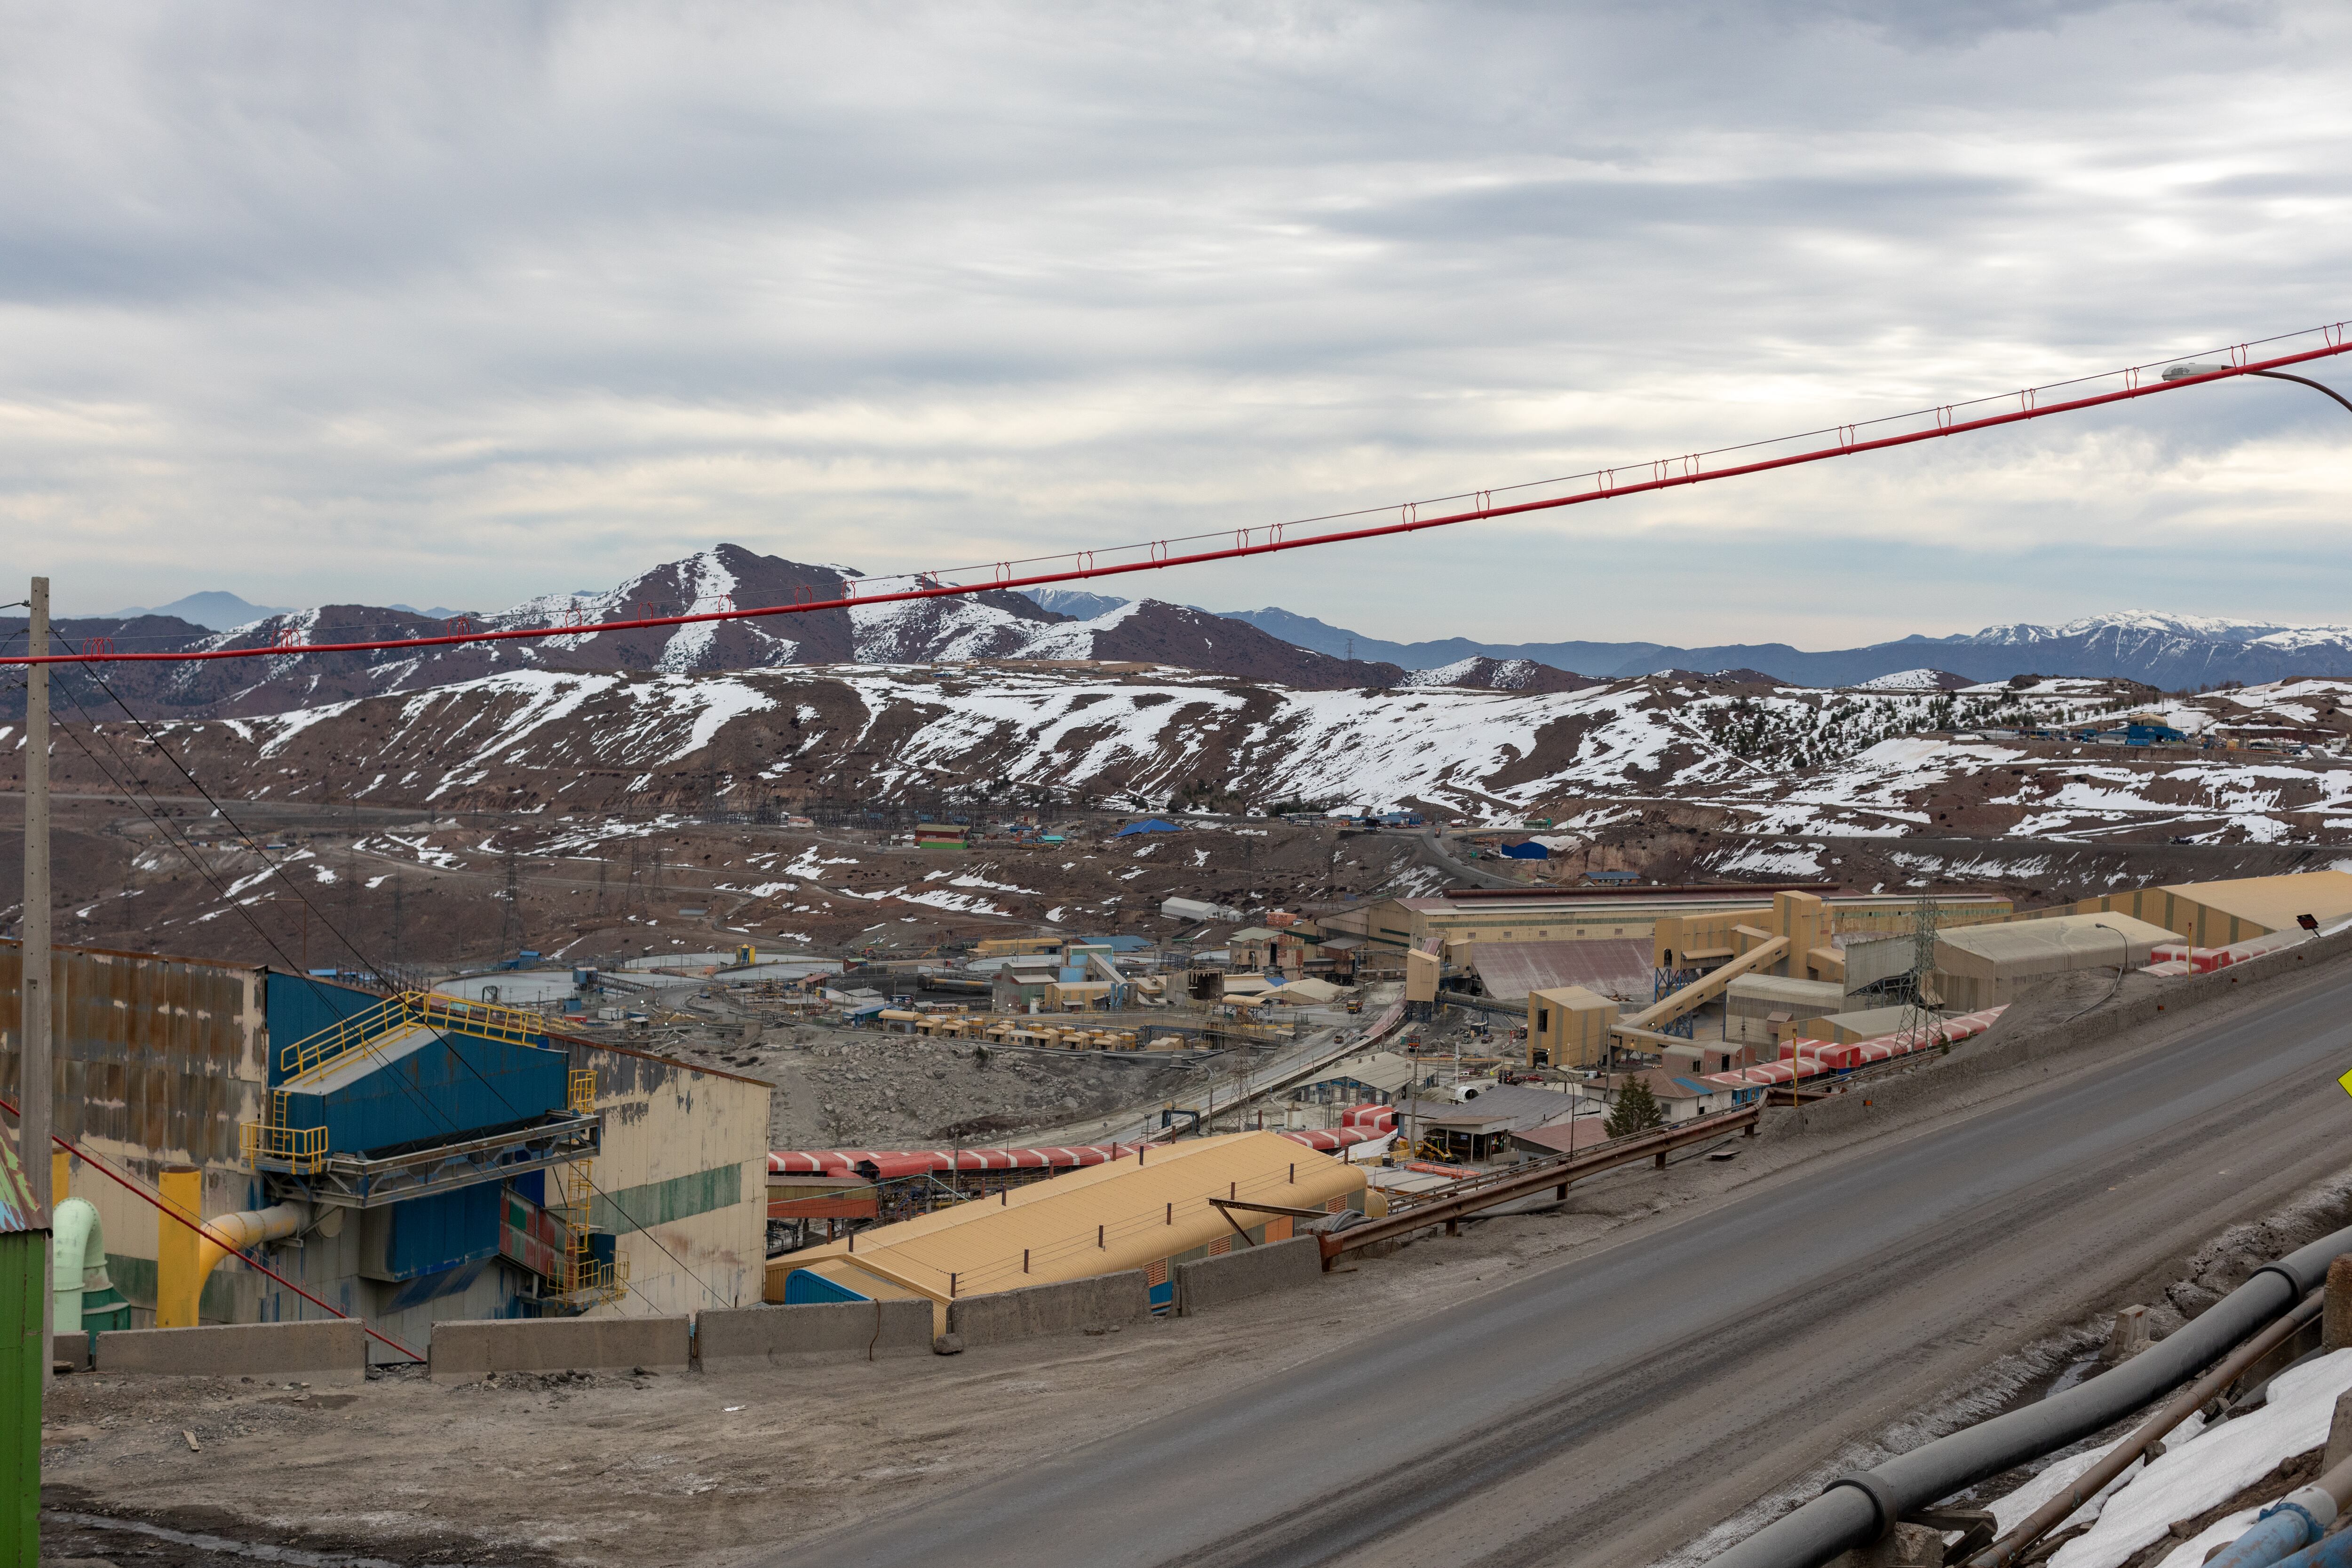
<point x="658" y="1203"/>
<point x="24" y="1273"/>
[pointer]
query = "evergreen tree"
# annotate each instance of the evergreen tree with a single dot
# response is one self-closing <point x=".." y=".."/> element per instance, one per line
<point x="1636" y="1110"/>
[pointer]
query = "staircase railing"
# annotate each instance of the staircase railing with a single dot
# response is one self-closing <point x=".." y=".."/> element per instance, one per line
<point x="487" y="1020"/>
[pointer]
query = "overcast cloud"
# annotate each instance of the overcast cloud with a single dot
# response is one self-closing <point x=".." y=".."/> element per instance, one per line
<point x="456" y="305"/>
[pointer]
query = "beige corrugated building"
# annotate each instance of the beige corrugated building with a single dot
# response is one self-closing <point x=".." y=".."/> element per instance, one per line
<point x="1751" y="1001"/>
<point x="1567" y="917"/>
<point x="1149" y="1211"/>
<point x="2215" y="914"/>
<point x="1982" y="966"/>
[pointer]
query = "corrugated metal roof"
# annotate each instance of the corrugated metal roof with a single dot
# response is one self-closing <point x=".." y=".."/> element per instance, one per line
<point x="16" y="1198"/>
<point x="1123" y="1214"/>
<point x="2060" y="942"/>
<point x="2275" y="901"/>
<point x="1510" y="969"/>
<point x="1510" y="1103"/>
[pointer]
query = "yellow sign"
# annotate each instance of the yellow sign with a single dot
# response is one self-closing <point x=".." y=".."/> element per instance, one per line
<point x="2345" y="1081"/>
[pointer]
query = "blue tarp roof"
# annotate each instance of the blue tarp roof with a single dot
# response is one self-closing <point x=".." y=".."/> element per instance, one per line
<point x="1148" y="825"/>
<point x="1529" y="851"/>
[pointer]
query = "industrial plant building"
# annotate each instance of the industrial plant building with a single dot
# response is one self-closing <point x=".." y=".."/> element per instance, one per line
<point x="406" y="1159"/>
<point x="1476" y="915"/>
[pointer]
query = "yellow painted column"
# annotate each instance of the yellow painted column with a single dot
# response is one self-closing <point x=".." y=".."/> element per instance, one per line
<point x="61" y="1166"/>
<point x="179" y="1272"/>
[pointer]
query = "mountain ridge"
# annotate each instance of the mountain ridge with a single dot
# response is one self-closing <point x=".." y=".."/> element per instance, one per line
<point x="2154" y="648"/>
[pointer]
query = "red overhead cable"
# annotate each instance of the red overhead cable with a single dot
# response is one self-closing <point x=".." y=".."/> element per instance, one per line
<point x="1687" y="472"/>
<point x="176" y="1217"/>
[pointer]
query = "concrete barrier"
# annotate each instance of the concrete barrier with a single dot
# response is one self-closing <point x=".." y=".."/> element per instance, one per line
<point x="740" y="1338"/>
<point x="464" y="1351"/>
<point x="331" y="1350"/>
<point x="1246" y="1272"/>
<point x="1090" y="1303"/>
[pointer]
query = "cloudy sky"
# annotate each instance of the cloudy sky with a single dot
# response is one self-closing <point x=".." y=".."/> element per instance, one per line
<point x="456" y="305"/>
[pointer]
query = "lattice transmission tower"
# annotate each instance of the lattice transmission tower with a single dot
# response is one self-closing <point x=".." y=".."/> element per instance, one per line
<point x="1919" y="1014"/>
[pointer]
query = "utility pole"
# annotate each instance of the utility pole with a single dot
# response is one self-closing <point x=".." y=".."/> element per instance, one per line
<point x="35" y="968"/>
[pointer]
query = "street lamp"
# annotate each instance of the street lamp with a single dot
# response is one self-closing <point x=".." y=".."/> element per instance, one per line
<point x="2121" y="969"/>
<point x="2184" y="372"/>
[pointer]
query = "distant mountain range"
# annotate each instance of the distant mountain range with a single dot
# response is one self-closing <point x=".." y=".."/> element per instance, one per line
<point x="212" y="609"/>
<point x="1274" y="646"/>
<point x="2175" y="652"/>
<point x="989" y="626"/>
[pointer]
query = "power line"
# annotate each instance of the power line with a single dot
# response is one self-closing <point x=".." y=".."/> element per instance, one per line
<point x="1665" y="473"/>
<point x="173" y="1211"/>
<point x="415" y="1092"/>
<point x="279" y="871"/>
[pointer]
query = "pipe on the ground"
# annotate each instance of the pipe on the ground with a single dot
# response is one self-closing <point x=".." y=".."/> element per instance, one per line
<point x="2088" y="1485"/>
<point x="1857" y="1510"/>
<point x="2290" y="1530"/>
<point x="185" y="1259"/>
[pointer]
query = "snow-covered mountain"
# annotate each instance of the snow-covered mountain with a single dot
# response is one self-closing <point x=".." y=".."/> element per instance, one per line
<point x="2156" y="647"/>
<point x="1481" y="673"/>
<point x="2171" y="651"/>
<point x="2197" y="628"/>
<point x="989" y="626"/>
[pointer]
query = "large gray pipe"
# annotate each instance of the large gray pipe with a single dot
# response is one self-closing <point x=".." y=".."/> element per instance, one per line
<point x="1857" y="1510"/>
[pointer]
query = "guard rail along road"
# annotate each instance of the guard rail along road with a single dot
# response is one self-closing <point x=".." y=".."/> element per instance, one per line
<point x="1446" y="1205"/>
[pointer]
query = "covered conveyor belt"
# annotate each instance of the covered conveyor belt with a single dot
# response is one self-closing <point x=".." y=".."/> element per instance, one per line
<point x="1709" y="985"/>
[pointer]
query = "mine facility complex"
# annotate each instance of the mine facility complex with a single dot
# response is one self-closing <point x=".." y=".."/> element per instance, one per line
<point x="636" y="1086"/>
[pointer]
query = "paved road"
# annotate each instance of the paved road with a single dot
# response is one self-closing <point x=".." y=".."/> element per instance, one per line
<point x="1609" y="1410"/>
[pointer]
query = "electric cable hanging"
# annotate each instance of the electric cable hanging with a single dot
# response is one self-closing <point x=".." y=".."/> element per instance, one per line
<point x="415" y="1092"/>
<point x="1153" y="555"/>
<point x="173" y="1211"/>
<point x="368" y="965"/>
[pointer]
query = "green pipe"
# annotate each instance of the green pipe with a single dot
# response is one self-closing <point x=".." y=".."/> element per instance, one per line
<point x="77" y="1267"/>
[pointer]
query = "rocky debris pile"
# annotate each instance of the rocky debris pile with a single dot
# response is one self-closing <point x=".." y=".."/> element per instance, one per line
<point x="858" y="1088"/>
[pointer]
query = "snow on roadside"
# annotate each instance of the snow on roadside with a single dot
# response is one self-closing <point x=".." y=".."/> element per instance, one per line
<point x="2215" y="1466"/>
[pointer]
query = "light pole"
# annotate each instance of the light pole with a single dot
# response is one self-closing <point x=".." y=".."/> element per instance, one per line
<point x="2122" y="968"/>
<point x="2184" y="372"/>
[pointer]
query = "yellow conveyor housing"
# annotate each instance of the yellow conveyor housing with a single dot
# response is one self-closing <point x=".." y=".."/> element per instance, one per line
<point x="1707" y="987"/>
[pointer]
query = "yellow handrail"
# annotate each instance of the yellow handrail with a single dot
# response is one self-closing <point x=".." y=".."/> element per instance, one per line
<point x="487" y="1020"/>
<point x="304" y="1149"/>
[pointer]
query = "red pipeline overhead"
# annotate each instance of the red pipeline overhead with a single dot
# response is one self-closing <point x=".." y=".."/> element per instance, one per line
<point x="1666" y="473"/>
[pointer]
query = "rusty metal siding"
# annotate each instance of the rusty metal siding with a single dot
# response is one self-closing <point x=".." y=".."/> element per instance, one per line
<point x="158" y="1058"/>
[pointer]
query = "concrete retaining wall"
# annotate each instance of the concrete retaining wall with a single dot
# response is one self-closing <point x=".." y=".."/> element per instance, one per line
<point x="463" y="1351"/>
<point x="1246" y="1272"/>
<point x="1051" y="1308"/>
<point x="738" y="1339"/>
<point x="1941" y="1079"/>
<point x="331" y="1351"/>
